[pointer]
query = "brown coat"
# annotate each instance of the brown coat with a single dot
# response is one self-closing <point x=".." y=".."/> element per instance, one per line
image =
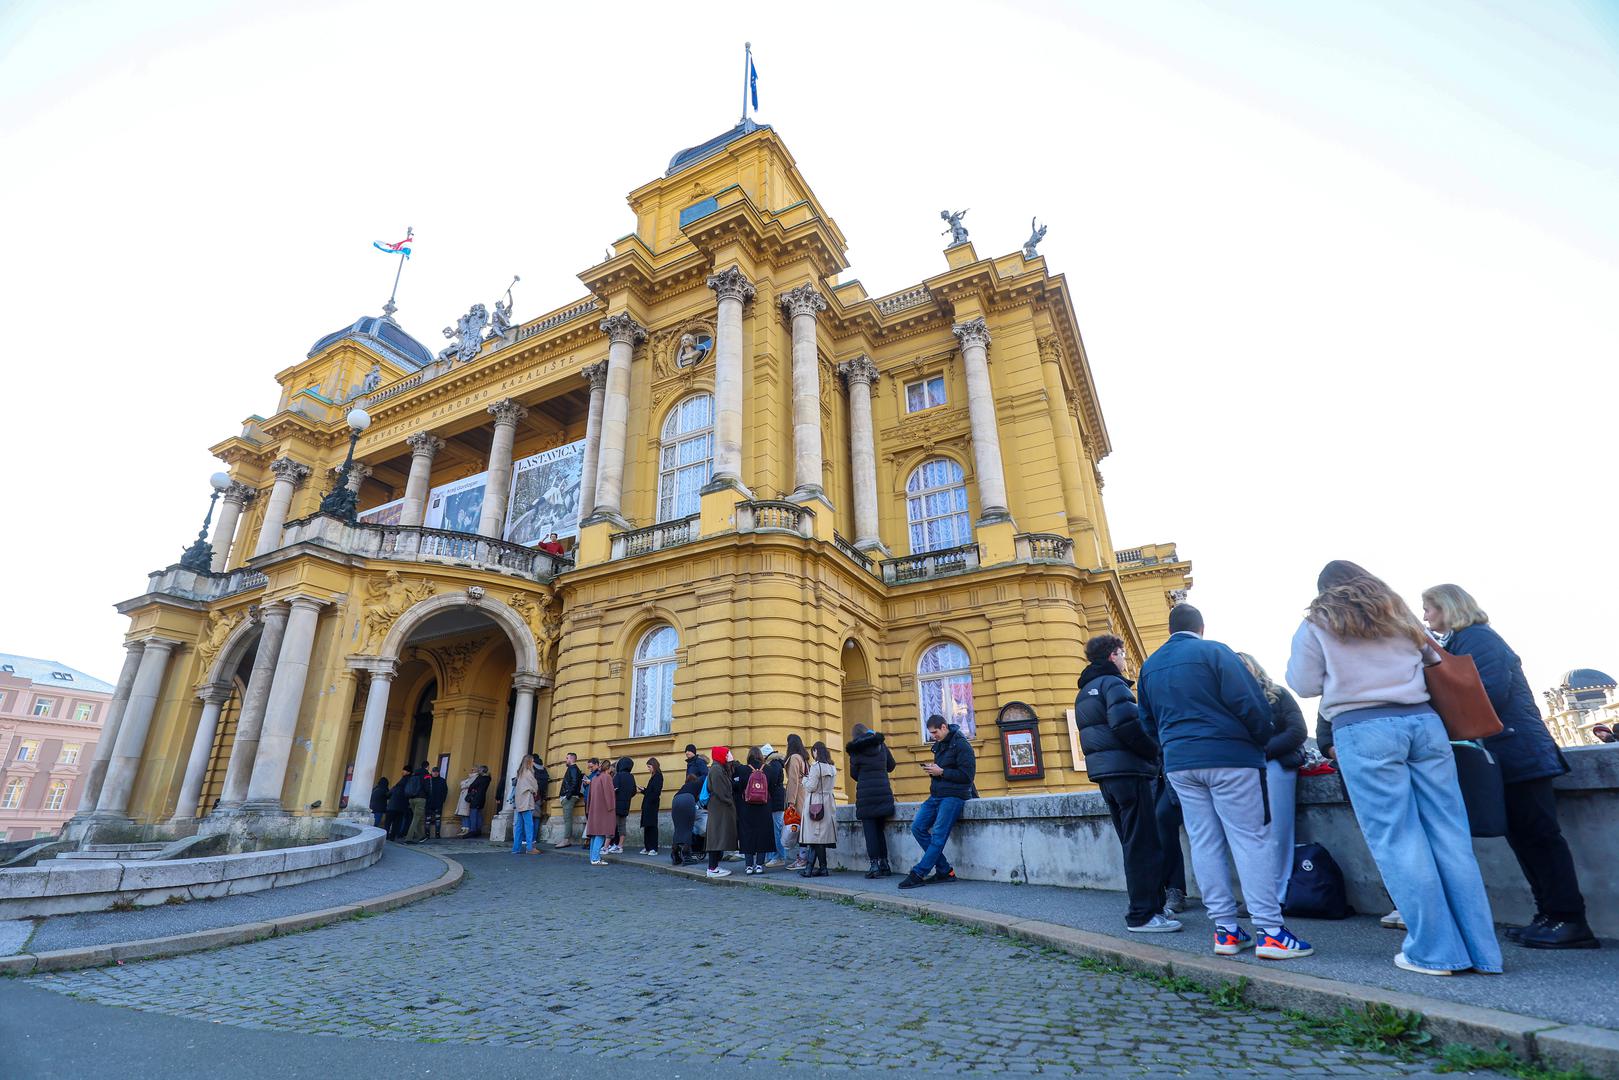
<point x="721" y="834"/>
<point x="821" y="782"/>
<point x="601" y="807"/>
<point x="527" y="789"/>
<point x="795" y="780"/>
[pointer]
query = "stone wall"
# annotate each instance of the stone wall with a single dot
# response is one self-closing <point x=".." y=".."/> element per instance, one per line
<point x="1069" y="840"/>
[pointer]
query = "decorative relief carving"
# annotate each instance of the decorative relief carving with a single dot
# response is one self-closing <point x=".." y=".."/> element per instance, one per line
<point x="731" y="284"/>
<point x="859" y="370"/>
<point x="387" y="598"/>
<point x="214" y="635"/>
<point x="507" y="411"/>
<point x="293" y="472"/>
<point x="454" y="659"/>
<point x="1051" y="349"/>
<point x="424" y="444"/>
<point x="803" y="300"/>
<point x="621" y="328"/>
<point x="240" y="493"/>
<point x="928" y="430"/>
<point x="972" y="332"/>
<point x="596" y="375"/>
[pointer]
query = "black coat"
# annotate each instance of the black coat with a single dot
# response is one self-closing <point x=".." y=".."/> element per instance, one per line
<point x="623" y="790"/>
<point x="1525" y="749"/>
<point x="379" y="796"/>
<point x="438" y="790"/>
<point x="954" y="754"/>
<point x="651" y="801"/>
<point x="755" y="832"/>
<point x="478" y="792"/>
<point x="870" y="762"/>
<point x="1286" y="746"/>
<point x="1110" y="731"/>
<point x="397" y="802"/>
<point x="699" y="765"/>
<point x="683" y="811"/>
<point x="776" y="773"/>
<point x="573" y="782"/>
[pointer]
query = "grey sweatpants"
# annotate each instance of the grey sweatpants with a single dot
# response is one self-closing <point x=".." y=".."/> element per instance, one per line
<point x="1224" y="810"/>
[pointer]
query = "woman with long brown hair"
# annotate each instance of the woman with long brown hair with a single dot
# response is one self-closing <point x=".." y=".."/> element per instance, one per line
<point x="1362" y="652"/>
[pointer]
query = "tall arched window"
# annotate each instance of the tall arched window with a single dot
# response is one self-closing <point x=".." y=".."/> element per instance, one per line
<point x="686" y="460"/>
<point x="652" y="694"/>
<point x="936" y="506"/>
<point x="14" y="792"/>
<point x="55" y="794"/>
<point x="944" y="686"/>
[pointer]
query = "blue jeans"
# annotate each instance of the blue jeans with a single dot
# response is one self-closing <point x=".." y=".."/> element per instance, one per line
<point x="376" y="818"/>
<point x="522" y="831"/>
<point x="1401" y="776"/>
<point x="596" y="845"/>
<point x="474" y="822"/>
<point x="934" y="820"/>
<point x="775" y="828"/>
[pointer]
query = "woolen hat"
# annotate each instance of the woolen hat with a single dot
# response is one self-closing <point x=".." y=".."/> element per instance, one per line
<point x="722" y="754"/>
<point x="691" y="748"/>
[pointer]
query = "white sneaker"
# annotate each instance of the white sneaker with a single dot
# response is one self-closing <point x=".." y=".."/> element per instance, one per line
<point x="598" y="862"/>
<point x="1158" y="924"/>
<point x="1405" y="965"/>
<point x="615" y="850"/>
<point x="721" y="872"/>
<point x="1392" y="921"/>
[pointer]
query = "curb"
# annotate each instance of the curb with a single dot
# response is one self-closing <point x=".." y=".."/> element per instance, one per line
<point x="1562" y="1046"/>
<point x="240" y="934"/>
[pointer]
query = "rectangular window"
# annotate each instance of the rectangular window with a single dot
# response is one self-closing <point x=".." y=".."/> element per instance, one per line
<point x="83" y="712"/>
<point x="28" y="750"/>
<point x="2" y="700"/>
<point x="42" y="706"/>
<point x="13" y="796"/>
<point x="71" y="752"/>
<point x="924" y="394"/>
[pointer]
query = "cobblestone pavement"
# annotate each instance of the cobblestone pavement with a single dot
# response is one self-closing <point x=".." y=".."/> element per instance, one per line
<point x="618" y="962"/>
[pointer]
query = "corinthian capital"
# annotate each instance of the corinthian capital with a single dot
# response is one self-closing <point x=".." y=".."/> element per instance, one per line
<point x="859" y="371"/>
<point x="507" y="411"/>
<point x="289" y="470"/>
<point x="803" y="300"/>
<point x="731" y="284"/>
<point x="596" y="375"/>
<point x="424" y="444"/>
<point x="622" y="328"/>
<point x="240" y="494"/>
<point x="972" y="332"/>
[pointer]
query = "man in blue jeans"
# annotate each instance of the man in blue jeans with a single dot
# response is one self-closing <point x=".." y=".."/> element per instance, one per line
<point x="952" y="769"/>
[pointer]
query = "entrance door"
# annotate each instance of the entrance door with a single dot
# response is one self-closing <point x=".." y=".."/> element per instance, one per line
<point x="421" y="731"/>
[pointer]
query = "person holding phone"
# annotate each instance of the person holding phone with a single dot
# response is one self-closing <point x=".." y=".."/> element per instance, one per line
<point x="952" y="770"/>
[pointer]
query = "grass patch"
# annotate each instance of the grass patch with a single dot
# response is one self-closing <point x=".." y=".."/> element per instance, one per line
<point x="1459" y="1058"/>
<point x="1231" y="995"/>
<point x="784" y="890"/>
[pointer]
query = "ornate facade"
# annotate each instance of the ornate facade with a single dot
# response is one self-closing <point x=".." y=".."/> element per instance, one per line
<point x="1585" y="700"/>
<point x="801" y="507"/>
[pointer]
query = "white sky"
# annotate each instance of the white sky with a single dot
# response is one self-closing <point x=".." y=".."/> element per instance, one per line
<point x="1349" y="278"/>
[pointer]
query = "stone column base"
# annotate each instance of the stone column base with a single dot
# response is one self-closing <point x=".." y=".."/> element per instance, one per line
<point x="500" y="828"/>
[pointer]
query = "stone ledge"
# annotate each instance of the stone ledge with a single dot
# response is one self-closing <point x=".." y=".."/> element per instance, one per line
<point x="1580" y="1046"/>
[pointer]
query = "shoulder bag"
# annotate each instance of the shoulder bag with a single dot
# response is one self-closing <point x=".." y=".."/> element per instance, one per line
<point x="1457" y="695"/>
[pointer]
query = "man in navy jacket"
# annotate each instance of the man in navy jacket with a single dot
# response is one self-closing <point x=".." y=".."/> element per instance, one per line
<point x="1212" y="721"/>
<point x="952" y="770"/>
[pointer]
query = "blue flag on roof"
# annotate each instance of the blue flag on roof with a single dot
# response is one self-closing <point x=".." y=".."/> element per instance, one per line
<point x="753" y="81"/>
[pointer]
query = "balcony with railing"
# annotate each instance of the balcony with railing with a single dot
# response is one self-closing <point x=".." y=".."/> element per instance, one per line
<point x="403" y="543"/>
<point x="184" y="584"/>
<point x="768" y="515"/>
<point x="1044" y="548"/>
<point x="665" y="534"/>
<point x="930" y="565"/>
<point x="861" y="559"/>
<point x="1146" y="555"/>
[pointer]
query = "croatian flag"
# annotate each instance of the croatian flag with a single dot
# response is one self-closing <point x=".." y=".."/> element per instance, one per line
<point x="400" y="248"/>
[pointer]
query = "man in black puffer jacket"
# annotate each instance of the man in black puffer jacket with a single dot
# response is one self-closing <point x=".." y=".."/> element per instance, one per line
<point x="1124" y="762"/>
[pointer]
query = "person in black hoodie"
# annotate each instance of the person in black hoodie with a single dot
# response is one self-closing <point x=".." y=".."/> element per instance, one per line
<point x="1123" y="762"/>
<point x="952" y="770"/>
<point x="569" y="796"/>
<point x="399" y="807"/>
<point x="379" y="801"/>
<point x="870" y="762"/>
<point x="651" y="804"/>
<point x="623" y="793"/>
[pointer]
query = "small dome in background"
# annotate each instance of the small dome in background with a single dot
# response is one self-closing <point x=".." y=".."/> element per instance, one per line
<point x="383" y="336"/>
<point x="1586" y="679"/>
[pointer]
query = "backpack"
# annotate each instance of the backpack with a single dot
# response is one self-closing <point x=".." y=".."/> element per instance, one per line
<point x="758" y="789"/>
<point x="1316" y="889"/>
<point x="413" y="788"/>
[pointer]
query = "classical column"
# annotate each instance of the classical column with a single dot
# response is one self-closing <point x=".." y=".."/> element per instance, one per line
<point x="126" y="753"/>
<point x="251" y="721"/>
<point x="288" y="475"/>
<point x="423" y="448"/>
<point x="623" y="333"/>
<point x="369" y="746"/>
<point x="281" y="711"/>
<point x="860" y="374"/>
<point x="597" y="374"/>
<point x="202" y="748"/>
<point x="1062" y="430"/>
<point x="733" y="290"/>
<point x="801" y="304"/>
<point x="358" y="471"/>
<point x="974" y="336"/>
<point x="522" y="734"/>
<point x="109" y="727"/>
<point x="497" y="489"/>
<point x="237" y="496"/>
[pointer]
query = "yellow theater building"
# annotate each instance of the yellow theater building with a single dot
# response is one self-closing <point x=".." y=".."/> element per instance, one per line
<point x="783" y="505"/>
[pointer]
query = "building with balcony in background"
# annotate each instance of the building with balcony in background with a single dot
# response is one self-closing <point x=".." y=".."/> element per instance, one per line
<point x="787" y="505"/>
<point x="1585" y="699"/>
<point x="50" y="731"/>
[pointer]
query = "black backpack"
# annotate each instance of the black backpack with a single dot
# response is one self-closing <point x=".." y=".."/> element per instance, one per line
<point x="413" y="788"/>
<point x="1316" y="889"/>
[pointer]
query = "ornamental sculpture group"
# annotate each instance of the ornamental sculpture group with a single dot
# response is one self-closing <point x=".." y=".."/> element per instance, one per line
<point x="958" y="232"/>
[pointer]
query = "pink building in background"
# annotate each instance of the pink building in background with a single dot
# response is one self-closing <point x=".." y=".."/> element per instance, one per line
<point x="50" y="721"/>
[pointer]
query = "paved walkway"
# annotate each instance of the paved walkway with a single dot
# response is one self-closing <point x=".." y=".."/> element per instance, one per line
<point x="583" y="963"/>
<point x="1569" y="987"/>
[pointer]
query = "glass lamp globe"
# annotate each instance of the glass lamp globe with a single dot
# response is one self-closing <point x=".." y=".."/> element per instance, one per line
<point x="219" y="481"/>
<point x="359" y="419"/>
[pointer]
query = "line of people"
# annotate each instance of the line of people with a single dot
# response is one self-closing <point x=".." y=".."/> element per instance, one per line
<point x="1204" y="736"/>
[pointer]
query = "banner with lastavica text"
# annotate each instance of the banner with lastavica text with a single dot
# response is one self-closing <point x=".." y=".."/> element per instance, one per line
<point x="456" y="506"/>
<point x="545" y="495"/>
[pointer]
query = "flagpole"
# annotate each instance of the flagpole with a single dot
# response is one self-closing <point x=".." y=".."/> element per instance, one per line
<point x="389" y="308"/>
<point x="747" y="62"/>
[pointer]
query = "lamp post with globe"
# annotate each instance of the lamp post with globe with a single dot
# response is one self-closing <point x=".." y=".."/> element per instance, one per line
<point x="200" y="555"/>
<point x="340" y="501"/>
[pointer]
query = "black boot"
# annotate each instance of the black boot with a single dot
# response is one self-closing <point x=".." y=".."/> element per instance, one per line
<point x="1559" y="935"/>
<point x="873" y="873"/>
<point x="1515" y="933"/>
<point x="883" y="869"/>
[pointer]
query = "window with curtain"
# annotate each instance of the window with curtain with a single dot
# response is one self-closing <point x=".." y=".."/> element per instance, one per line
<point x="936" y="506"/>
<point x="652" y="695"/>
<point x="55" y="794"/>
<point x="13" y="796"/>
<point x="686" y="458"/>
<point x="944" y="684"/>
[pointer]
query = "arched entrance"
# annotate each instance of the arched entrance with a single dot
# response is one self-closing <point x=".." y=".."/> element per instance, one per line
<point x="860" y="696"/>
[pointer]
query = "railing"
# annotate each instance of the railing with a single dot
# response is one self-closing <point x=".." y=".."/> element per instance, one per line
<point x="242" y="580"/>
<point x="866" y="561"/>
<point x="409" y="382"/>
<point x="584" y="307"/>
<point x="769" y="515"/>
<point x="665" y="534"/>
<point x="1142" y="557"/>
<point x="1044" y="547"/>
<point x="931" y="564"/>
<point x="186" y="584"/>
<point x="908" y="299"/>
<point x="407" y="543"/>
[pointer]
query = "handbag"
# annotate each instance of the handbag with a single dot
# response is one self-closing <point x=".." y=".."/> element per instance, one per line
<point x="1457" y="695"/>
<point x="790" y="816"/>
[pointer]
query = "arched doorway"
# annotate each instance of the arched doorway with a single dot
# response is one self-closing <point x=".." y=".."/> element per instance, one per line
<point x="421" y="727"/>
<point x="860" y="696"/>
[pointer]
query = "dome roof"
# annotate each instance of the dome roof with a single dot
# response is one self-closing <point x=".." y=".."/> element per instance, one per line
<point x="383" y="336"/>
<point x="693" y="154"/>
<point x="1586" y="678"/>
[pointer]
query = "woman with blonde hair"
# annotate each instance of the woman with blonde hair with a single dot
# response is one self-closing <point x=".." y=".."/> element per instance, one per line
<point x="1283" y="755"/>
<point x="1362" y="652"/>
<point x="1530" y="761"/>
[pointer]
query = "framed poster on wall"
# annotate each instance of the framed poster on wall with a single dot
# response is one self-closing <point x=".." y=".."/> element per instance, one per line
<point x="456" y="507"/>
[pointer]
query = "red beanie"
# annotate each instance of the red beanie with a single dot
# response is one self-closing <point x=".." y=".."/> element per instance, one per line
<point x="721" y="755"/>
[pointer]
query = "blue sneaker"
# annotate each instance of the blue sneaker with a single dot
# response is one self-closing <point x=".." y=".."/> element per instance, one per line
<point x="1282" y="945"/>
<point x="1230" y="943"/>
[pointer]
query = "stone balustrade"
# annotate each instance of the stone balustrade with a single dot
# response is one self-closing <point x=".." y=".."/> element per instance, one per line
<point x="930" y="564"/>
<point x="404" y="543"/>
<point x="177" y="581"/>
<point x="1044" y="547"/>
<point x="765" y="515"/>
<point x="665" y="534"/>
<point x="584" y="307"/>
<point x="864" y="561"/>
<point x="910" y="298"/>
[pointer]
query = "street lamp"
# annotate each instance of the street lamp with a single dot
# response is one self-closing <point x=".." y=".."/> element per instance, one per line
<point x="200" y="555"/>
<point x="340" y="501"/>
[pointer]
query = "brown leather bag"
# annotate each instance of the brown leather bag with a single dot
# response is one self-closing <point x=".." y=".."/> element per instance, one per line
<point x="1457" y="695"/>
